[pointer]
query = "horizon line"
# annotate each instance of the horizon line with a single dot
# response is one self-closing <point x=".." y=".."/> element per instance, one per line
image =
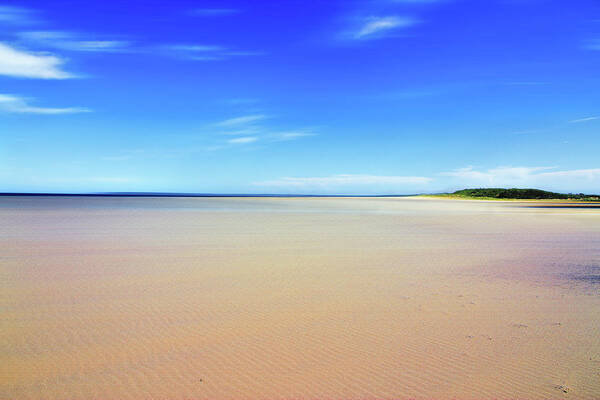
<point x="187" y="194"/>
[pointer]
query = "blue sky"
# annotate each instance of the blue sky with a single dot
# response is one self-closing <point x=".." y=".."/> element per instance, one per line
<point x="350" y="97"/>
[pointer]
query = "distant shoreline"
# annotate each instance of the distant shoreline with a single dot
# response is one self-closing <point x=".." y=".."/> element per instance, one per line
<point x="486" y="194"/>
<point x="515" y="194"/>
<point x="494" y="199"/>
<point x="150" y="194"/>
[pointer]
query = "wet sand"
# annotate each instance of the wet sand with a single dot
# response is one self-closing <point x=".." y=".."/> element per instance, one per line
<point x="312" y="298"/>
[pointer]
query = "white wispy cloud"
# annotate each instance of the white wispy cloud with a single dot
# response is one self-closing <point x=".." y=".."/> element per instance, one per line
<point x="589" y="174"/>
<point x="15" y="15"/>
<point x="72" y="42"/>
<point x="499" y="174"/>
<point x="81" y="42"/>
<point x="195" y="52"/>
<point x="97" y="45"/>
<point x="575" y="121"/>
<point x="291" y="135"/>
<point x="243" y="120"/>
<point x="14" y="104"/>
<point x="243" y="140"/>
<point x="376" y="27"/>
<point x="536" y="177"/>
<point x="203" y="52"/>
<point x="215" y="12"/>
<point x="20" y="63"/>
<point x="259" y="134"/>
<point x="250" y="128"/>
<point x="344" y="180"/>
<point x="245" y="131"/>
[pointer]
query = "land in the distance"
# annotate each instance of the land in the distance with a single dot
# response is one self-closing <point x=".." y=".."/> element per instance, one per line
<point x="516" y="194"/>
<point x="479" y="194"/>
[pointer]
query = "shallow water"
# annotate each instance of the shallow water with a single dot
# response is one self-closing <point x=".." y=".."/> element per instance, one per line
<point x="279" y="298"/>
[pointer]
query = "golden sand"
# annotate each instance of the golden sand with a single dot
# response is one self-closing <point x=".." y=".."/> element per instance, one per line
<point x="249" y="298"/>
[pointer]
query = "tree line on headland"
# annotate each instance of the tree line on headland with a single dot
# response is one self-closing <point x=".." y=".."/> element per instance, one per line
<point x="530" y="194"/>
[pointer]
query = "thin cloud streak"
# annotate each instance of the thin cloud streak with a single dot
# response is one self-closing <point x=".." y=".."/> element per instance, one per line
<point x="287" y="136"/>
<point x="576" y="121"/>
<point x="244" y="120"/>
<point x="202" y="52"/>
<point x="245" y="131"/>
<point x="249" y="129"/>
<point x="590" y="174"/>
<point x="72" y="42"/>
<point x="377" y="26"/>
<point x="495" y="174"/>
<point x="15" y="15"/>
<point x="243" y="140"/>
<point x="13" y="104"/>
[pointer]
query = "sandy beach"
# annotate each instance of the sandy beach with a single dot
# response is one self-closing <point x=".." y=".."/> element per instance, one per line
<point x="298" y="298"/>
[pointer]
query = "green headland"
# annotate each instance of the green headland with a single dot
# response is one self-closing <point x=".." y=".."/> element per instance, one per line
<point x="516" y="194"/>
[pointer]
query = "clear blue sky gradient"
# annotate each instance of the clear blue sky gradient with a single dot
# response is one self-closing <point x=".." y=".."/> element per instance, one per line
<point x="383" y="96"/>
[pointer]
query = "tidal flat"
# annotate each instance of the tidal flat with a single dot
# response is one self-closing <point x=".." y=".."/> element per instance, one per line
<point x="298" y="298"/>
